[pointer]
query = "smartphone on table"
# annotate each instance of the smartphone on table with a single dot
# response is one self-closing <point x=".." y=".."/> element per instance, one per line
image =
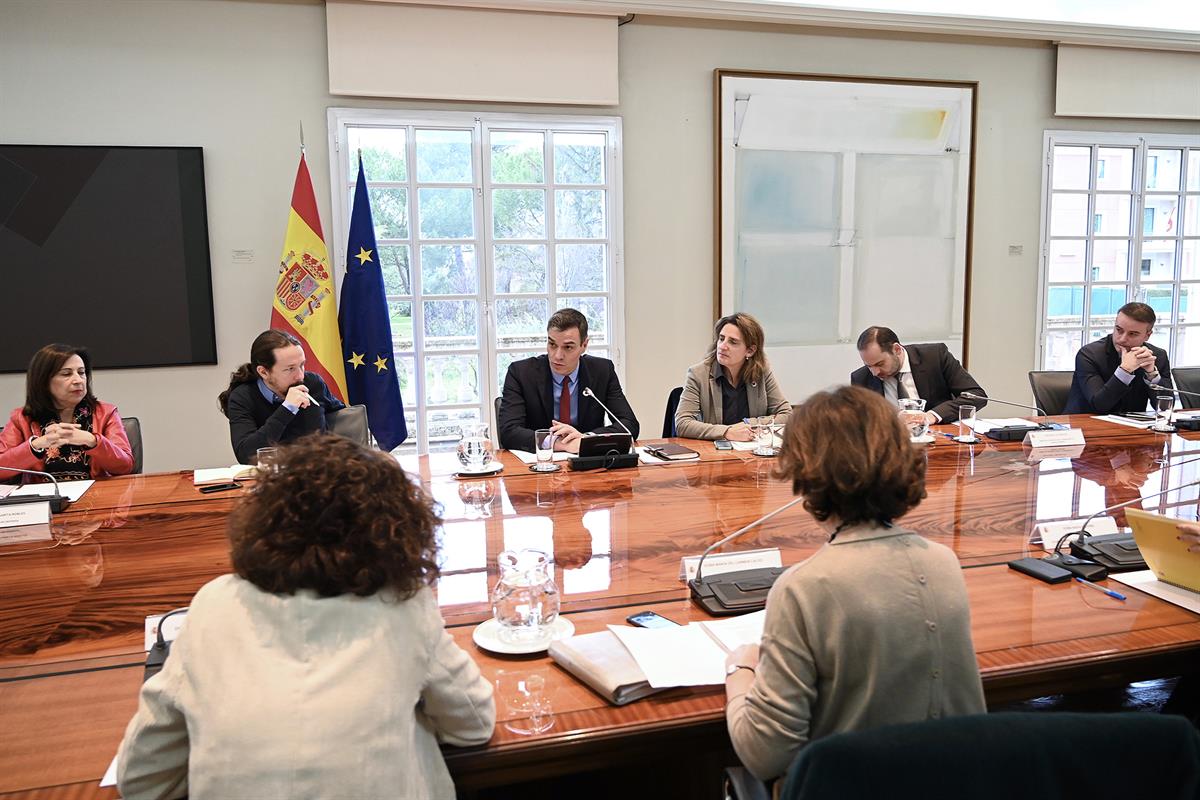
<point x="723" y="444"/>
<point x="648" y="619"/>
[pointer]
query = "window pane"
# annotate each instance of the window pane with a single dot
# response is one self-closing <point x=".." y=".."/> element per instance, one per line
<point x="451" y="379"/>
<point x="1061" y="347"/>
<point x="1162" y="170"/>
<point x="451" y="324"/>
<point x="518" y="157"/>
<point x="1159" y="297"/>
<point x="406" y="375"/>
<point x="1111" y="217"/>
<point x="595" y="309"/>
<point x="1159" y="217"/>
<point x="400" y="312"/>
<point x="448" y="269"/>
<point x="1064" y="306"/>
<point x="389" y="211"/>
<point x="1158" y="260"/>
<point x="1067" y="260"/>
<point x="520" y="268"/>
<point x="1190" y="264"/>
<point x="1105" y="302"/>
<point x="1110" y="260"/>
<point x="521" y="323"/>
<point x="579" y="214"/>
<point x="443" y="156"/>
<point x="1193" y="171"/>
<point x="447" y="213"/>
<point x="445" y="427"/>
<point x="1068" y="215"/>
<point x="580" y="267"/>
<point x="579" y="157"/>
<point x="1189" y="303"/>
<point x="393" y="263"/>
<point x="1191" y="216"/>
<point x="504" y="360"/>
<point x="383" y="153"/>
<point x="1099" y="334"/>
<point x="1071" y="167"/>
<point x="1187" y="350"/>
<point x="1114" y="168"/>
<point x="519" y="213"/>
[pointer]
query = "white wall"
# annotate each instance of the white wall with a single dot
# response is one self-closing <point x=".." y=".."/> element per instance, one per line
<point x="238" y="77"/>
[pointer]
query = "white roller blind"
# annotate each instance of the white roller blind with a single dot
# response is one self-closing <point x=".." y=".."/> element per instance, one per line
<point x="392" y="50"/>
<point x="1116" y="82"/>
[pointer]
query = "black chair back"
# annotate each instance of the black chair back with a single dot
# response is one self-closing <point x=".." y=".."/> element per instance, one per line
<point x="133" y="431"/>
<point x="669" y="417"/>
<point x="1050" y="389"/>
<point x="350" y="422"/>
<point x="1187" y="379"/>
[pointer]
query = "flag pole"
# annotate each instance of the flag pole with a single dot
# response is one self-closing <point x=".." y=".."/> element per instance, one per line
<point x="302" y="137"/>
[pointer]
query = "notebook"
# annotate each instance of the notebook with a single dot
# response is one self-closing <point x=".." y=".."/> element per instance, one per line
<point x="1158" y="539"/>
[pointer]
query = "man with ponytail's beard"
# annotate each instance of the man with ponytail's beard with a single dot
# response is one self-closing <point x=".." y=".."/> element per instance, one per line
<point x="271" y="399"/>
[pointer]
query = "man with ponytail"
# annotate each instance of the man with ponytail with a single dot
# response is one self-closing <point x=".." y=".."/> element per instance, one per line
<point x="271" y="399"/>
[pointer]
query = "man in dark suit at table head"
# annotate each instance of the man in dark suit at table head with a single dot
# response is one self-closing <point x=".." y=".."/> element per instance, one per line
<point x="272" y="399"/>
<point x="548" y="391"/>
<point x="1116" y="374"/>
<point x="927" y="371"/>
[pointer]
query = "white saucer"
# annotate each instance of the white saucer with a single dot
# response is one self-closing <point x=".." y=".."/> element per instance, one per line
<point x="487" y="636"/>
<point x="926" y="439"/>
<point x="490" y="469"/>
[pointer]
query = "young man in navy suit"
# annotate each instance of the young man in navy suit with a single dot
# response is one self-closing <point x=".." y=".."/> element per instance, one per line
<point x="547" y="392"/>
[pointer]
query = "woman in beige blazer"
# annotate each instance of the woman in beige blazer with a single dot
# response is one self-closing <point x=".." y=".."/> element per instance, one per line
<point x="733" y="382"/>
<point x="321" y="668"/>
<point x="874" y="628"/>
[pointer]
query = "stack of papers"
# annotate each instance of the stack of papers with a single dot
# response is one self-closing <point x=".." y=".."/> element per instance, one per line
<point x="72" y="490"/>
<point x="689" y="655"/>
<point x="984" y="425"/>
<point x="530" y="458"/>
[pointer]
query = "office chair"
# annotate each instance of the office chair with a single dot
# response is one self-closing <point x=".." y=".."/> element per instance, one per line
<point x="1050" y="389"/>
<point x="669" y="417"/>
<point x="1048" y="755"/>
<point x="350" y="422"/>
<point x="133" y="431"/>
<point x="1188" y="380"/>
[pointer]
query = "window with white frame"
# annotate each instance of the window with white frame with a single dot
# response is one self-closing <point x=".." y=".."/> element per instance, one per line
<point x="1120" y="222"/>
<point x="485" y="225"/>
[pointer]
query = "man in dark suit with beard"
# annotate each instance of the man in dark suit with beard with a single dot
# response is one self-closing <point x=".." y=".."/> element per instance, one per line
<point x="548" y="391"/>
<point x="927" y="371"/>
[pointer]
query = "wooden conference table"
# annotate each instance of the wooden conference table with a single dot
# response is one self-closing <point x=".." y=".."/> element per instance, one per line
<point x="72" y="607"/>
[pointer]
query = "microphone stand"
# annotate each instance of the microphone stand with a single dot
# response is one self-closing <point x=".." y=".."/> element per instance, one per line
<point x="57" y="501"/>
<point x="741" y="591"/>
<point x="612" y="459"/>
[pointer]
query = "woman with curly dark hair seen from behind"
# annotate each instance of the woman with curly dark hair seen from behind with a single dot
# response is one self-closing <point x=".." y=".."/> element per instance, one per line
<point x="322" y="667"/>
<point x="874" y="628"/>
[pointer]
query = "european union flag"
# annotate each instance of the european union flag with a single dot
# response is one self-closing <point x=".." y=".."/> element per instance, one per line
<point x="366" y="333"/>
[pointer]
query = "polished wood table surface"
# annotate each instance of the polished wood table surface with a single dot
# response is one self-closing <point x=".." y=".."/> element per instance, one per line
<point x="72" y="604"/>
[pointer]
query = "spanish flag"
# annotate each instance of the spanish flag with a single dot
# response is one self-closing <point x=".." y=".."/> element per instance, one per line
<point x="305" y="305"/>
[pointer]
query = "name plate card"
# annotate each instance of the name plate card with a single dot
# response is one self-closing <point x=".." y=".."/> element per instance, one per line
<point x="24" y="514"/>
<point x="1055" y="438"/>
<point x="1047" y="534"/>
<point x="719" y="563"/>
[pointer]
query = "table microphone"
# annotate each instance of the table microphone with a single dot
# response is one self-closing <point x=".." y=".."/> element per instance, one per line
<point x="1117" y="551"/>
<point x="57" y="501"/>
<point x="736" y="592"/>
<point x="1008" y="433"/>
<point x="587" y="392"/>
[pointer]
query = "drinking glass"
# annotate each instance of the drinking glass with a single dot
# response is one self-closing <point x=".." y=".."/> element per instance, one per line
<point x="543" y="448"/>
<point x="912" y="414"/>
<point x="760" y="432"/>
<point x="265" y="458"/>
<point x="474" y="447"/>
<point x="966" y="425"/>
<point x="1163" y="405"/>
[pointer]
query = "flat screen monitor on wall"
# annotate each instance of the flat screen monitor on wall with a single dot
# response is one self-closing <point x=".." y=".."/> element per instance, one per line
<point x="107" y="248"/>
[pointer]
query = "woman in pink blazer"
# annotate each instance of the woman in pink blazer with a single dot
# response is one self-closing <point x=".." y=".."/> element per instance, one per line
<point x="63" y="429"/>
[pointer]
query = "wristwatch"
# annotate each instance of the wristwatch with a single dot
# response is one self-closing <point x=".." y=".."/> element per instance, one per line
<point x="732" y="668"/>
